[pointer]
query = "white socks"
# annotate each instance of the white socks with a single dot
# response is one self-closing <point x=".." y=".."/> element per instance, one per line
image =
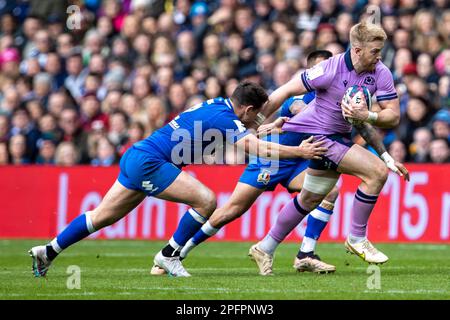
<point x="268" y="245"/>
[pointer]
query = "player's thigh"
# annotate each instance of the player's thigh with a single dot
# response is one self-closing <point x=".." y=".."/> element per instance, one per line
<point x="297" y="176"/>
<point x="362" y="163"/>
<point x="117" y="203"/>
<point x="186" y="189"/>
<point x="296" y="184"/>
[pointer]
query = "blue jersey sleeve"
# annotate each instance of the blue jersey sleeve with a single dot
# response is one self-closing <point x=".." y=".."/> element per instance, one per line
<point x="285" y="111"/>
<point x="285" y="107"/>
<point x="307" y="98"/>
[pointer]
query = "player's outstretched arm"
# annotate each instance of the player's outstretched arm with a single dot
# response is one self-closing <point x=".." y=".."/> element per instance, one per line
<point x="292" y="88"/>
<point x="372" y="137"/>
<point x="272" y="127"/>
<point x="306" y="150"/>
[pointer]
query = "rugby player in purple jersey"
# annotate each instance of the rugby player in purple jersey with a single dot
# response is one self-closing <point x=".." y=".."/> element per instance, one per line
<point x="324" y="119"/>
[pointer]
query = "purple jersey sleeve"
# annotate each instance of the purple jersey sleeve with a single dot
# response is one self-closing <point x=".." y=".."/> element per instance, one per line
<point x="320" y="76"/>
<point x="385" y="86"/>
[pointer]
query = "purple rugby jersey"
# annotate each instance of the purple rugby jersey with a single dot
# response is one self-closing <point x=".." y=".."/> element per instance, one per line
<point x="330" y="79"/>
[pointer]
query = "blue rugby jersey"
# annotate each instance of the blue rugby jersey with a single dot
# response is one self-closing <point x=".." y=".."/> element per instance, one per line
<point x="209" y="123"/>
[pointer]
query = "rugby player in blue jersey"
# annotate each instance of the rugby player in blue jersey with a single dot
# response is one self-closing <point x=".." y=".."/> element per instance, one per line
<point x="262" y="175"/>
<point x="152" y="167"/>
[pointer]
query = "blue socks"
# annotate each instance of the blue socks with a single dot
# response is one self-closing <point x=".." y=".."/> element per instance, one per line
<point x="77" y="230"/>
<point x="189" y="224"/>
<point x="317" y="221"/>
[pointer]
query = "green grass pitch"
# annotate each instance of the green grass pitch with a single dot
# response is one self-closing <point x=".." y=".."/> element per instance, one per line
<point x="119" y="269"/>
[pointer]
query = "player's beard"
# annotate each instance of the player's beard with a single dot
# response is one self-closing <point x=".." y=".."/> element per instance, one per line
<point x="372" y="66"/>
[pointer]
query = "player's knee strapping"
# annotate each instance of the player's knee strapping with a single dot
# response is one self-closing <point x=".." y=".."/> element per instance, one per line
<point x="319" y="185"/>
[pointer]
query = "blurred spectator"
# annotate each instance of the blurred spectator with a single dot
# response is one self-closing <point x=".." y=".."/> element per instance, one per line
<point x="48" y="127"/>
<point x="112" y="102"/>
<point x="164" y="79"/>
<point x="118" y="128"/>
<point x="21" y="124"/>
<point x="441" y="125"/>
<point x="142" y="46"/>
<point x="244" y="21"/>
<point x="212" y="51"/>
<point x="444" y="91"/>
<point x="76" y="75"/>
<point x="420" y="148"/>
<point x="66" y="154"/>
<point x="141" y="88"/>
<point x="35" y="110"/>
<point x="425" y="68"/>
<point x="213" y="88"/>
<point x="308" y="17"/>
<point x="91" y="112"/>
<point x="190" y="86"/>
<point x="18" y="150"/>
<point x="69" y="122"/>
<point x="135" y="133"/>
<point x="105" y="153"/>
<point x="4" y="154"/>
<point x="417" y="116"/>
<point x="439" y="151"/>
<point x="186" y="53"/>
<point x="53" y="67"/>
<point x="57" y="101"/>
<point x="398" y="151"/>
<point x="155" y="114"/>
<point x="177" y="99"/>
<point x="42" y="86"/>
<point x="9" y="62"/>
<point x="4" y="128"/>
<point x="64" y="45"/>
<point x="325" y="35"/>
<point x="131" y="106"/>
<point x="10" y="101"/>
<point x="47" y="151"/>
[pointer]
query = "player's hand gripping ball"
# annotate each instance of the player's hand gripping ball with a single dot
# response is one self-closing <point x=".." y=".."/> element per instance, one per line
<point x="356" y="96"/>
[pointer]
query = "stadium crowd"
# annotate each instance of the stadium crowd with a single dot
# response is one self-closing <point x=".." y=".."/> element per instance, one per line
<point x="81" y="89"/>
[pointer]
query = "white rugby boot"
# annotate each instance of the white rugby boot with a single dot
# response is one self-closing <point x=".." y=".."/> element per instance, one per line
<point x="366" y="251"/>
<point x="313" y="264"/>
<point x="171" y="265"/>
<point x="40" y="263"/>
<point x="262" y="259"/>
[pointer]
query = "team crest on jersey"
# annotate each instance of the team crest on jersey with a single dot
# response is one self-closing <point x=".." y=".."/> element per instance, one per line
<point x="264" y="176"/>
<point x="369" y="80"/>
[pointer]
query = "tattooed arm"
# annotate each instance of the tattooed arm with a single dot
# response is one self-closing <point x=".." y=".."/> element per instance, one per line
<point x="371" y="136"/>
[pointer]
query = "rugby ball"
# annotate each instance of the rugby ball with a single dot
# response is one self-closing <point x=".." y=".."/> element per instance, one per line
<point x="357" y="94"/>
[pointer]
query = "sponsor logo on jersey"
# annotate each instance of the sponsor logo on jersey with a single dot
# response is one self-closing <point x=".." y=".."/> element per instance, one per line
<point x="148" y="186"/>
<point x="315" y="72"/>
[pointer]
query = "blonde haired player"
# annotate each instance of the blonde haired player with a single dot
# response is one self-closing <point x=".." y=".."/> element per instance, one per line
<point x="324" y="119"/>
